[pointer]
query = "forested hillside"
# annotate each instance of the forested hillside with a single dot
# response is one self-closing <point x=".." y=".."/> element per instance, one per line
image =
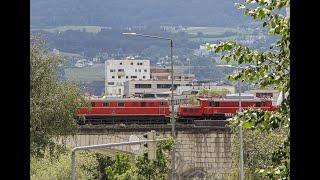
<point x="127" y="13"/>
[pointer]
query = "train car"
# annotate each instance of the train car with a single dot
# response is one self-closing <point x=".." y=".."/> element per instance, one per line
<point x="220" y="109"/>
<point x="125" y="111"/>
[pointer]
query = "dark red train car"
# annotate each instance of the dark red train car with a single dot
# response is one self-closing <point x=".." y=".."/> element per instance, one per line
<point x="220" y="109"/>
<point x="125" y="111"/>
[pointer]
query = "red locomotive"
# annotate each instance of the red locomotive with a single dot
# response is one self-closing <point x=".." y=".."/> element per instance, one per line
<point x="125" y="111"/>
<point x="220" y="109"/>
<point x="158" y="110"/>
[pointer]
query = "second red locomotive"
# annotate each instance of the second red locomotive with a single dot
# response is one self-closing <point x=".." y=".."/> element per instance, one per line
<point x="220" y="109"/>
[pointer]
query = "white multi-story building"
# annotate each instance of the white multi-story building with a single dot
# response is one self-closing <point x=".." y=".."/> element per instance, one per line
<point x="119" y="71"/>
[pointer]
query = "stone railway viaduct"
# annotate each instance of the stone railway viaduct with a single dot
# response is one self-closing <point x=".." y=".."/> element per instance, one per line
<point x="200" y="151"/>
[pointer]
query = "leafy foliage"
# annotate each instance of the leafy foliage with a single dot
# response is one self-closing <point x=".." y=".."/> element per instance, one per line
<point x="142" y="169"/>
<point x="52" y="103"/>
<point x="267" y="69"/>
<point x="48" y="168"/>
<point x="259" y="148"/>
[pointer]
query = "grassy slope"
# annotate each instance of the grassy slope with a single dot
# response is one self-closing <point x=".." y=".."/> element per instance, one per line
<point x="86" y="74"/>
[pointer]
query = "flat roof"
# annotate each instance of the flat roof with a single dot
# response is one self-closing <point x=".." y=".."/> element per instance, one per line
<point x="230" y="100"/>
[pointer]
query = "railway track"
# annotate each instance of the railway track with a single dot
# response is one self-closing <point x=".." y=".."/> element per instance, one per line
<point x="202" y="125"/>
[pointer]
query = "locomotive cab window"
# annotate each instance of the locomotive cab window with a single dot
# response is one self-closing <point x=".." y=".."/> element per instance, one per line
<point x="211" y="103"/>
<point x="142" y="104"/>
<point x="258" y="104"/>
<point x="105" y="104"/>
<point x="120" y="103"/>
<point x="161" y="104"/>
<point x="216" y="104"/>
<point x="93" y="104"/>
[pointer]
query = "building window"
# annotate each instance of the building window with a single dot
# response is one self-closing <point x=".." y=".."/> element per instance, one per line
<point x="138" y="64"/>
<point x="135" y="70"/>
<point x="110" y="83"/>
<point x="119" y="77"/>
<point x="120" y="103"/>
<point x="133" y="76"/>
<point x="145" y="70"/>
<point x="144" y="77"/>
<point x="141" y="86"/>
<point x="120" y="63"/>
<point x="163" y="86"/>
<point x="131" y="63"/>
<point x="126" y="77"/>
<point x="139" y="70"/>
<point x="264" y="95"/>
<point x="105" y="104"/>
<point x="112" y="77"/>
<point x="120" y="70"/>
<point x="111" y="70"/>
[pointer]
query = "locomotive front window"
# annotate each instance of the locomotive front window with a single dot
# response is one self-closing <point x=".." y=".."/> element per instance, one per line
<point x="120" y="103"/>
<point x="142" y="104"/>
<point x="161" y="104"/>
<point x="105" y="104"/>
<point x="93" y="104"/>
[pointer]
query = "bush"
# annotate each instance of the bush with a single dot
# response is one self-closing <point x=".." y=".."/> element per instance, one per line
<point x="59" y="168"/>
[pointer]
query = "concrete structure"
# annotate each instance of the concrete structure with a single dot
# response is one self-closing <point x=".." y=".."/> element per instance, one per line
<point x="119" y="71"/>
<point x="133" y="87"/>
<point x="158" y="73"/>
<point x="265" y="93"/>
<point x="189" y="89"/>
<point x="200" y="151"/>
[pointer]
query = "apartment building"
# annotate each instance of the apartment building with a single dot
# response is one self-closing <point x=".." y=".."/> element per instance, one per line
<point x="119" y="71"/>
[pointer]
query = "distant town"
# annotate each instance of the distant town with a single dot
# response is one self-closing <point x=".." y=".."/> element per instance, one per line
<point x="133" y="77"/>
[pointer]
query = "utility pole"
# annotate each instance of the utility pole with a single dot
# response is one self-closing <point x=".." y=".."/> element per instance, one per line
<point x="173" y="122"/>
<point x="240" y="132"/>
<point x="172" y="96"/>
<point x="240" y="126"/>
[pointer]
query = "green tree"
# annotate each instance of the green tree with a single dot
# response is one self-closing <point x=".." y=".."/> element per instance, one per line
<point x="272" y="69"/>
<point x="213" y="92"/>
<point x="258" y="152"/>
<point x="208" y="93"/>
<point x="52" y="103"/>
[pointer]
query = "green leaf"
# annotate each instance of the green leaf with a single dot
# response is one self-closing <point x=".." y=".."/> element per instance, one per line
<point x="247" y="125"/>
